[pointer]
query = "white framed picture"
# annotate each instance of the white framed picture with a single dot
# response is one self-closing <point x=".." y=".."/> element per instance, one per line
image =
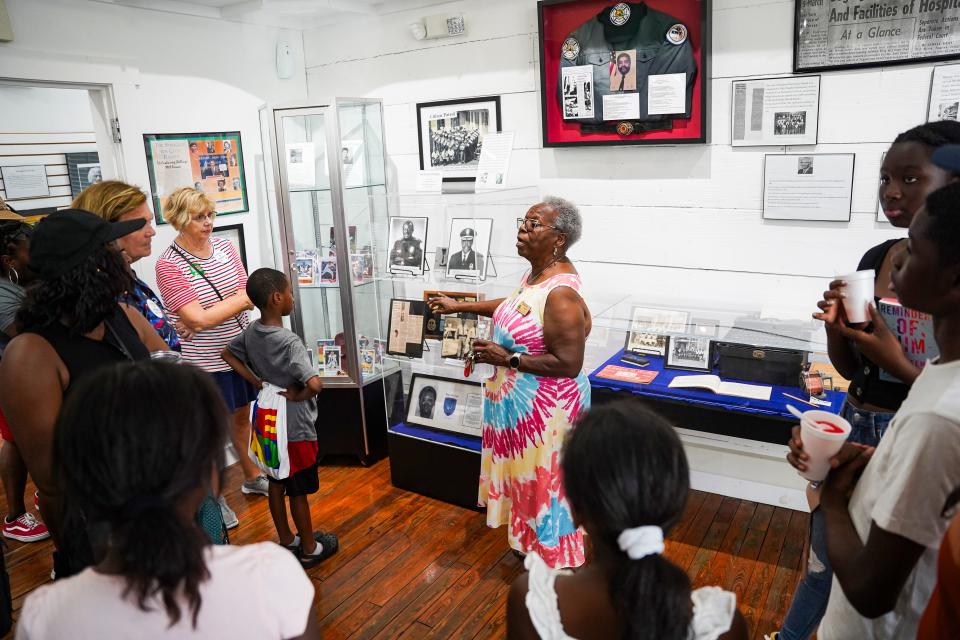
<point x="467" y="252"/>
<point x="649" y="328"/>
<point x="451" y="134"/>
<point x="407" y="240"/>
<point x="445" y="404"/>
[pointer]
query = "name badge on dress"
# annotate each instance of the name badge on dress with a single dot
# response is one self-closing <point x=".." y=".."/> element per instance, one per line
<point x="221" y="257"/>
<point x="154" y="308"/>
<point x="523" y="308"/>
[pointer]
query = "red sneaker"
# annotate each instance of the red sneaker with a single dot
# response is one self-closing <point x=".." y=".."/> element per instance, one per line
<point x="26" y="528"/>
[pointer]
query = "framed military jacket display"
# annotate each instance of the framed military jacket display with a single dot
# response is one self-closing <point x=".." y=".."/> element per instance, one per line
<point x="615" y="73"/>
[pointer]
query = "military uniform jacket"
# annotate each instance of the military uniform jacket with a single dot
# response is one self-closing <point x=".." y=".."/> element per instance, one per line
<point x="406" y="253"/>
<point x="646" y="32"/>
<point x="471" y="262"/>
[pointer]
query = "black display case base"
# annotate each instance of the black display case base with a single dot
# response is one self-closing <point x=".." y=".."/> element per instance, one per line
<point x="444" y="472"/>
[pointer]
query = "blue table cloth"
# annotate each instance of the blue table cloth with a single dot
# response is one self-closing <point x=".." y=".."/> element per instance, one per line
<point x="660" y="389"/>
<point x="463" y="441"/>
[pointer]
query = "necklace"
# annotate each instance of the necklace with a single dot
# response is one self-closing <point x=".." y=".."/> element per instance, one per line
<point x="540" y="273"/>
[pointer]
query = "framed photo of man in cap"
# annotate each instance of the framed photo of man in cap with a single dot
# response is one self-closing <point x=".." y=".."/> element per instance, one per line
<point x="469" y="246"/>
<point x="407" y="242"/>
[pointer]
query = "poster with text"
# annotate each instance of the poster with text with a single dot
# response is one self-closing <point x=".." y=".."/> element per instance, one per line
<point x="842" y="35"/>
<point x="775" y="111"/>
<point x="944" y="100"/>
<point x="808" y="186"/>
<point x="209" y="162"/>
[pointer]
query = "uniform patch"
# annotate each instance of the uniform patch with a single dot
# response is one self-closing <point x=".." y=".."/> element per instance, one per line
<point x="570" y="49"/>
<point x="625" y="128"/>
<point x="677" y="34"/>
<point x="619" y="14"/>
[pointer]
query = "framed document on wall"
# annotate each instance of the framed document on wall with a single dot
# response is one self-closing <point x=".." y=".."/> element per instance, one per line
<point x="624" y="73"/>
<point x="832" y="35"/>
<point x="209" y="162"/>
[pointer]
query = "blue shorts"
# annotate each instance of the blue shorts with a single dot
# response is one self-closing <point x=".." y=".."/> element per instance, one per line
<point x="236" y="391"/>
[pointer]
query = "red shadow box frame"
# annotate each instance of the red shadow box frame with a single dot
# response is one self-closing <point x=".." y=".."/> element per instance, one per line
<point x="559" y="18"/>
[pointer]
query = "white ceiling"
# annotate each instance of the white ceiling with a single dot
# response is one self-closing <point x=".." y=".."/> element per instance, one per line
<point x="289" y="14"/>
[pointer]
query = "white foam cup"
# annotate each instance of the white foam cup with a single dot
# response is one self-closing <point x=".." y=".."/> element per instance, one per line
<point x="822" y="434"/>
<point x="858" y="294"/>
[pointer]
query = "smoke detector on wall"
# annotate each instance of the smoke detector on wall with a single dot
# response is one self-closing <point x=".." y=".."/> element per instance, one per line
<point x="441" y="25"/>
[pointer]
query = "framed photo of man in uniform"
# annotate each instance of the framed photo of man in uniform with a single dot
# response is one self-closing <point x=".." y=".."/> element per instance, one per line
<point x="407" y="242"/>
<point x="445" y="404"/>
<point x="469" y="244"/>
<point x="451" y="134"/>
<point x="624" y="73"/>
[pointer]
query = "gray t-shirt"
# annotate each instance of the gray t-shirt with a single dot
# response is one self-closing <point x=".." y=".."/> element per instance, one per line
<point x="11" y="297"/>
<point x="278" y="356"/>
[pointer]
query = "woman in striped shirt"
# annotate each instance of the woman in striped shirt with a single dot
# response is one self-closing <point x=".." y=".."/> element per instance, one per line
<point x="201" y="280"/>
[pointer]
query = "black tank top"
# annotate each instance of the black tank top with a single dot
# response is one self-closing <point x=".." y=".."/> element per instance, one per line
<point x="83" y="355"/>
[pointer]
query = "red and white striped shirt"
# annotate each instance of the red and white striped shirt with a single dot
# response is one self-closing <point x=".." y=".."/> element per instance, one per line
<point x="180" y="283"/>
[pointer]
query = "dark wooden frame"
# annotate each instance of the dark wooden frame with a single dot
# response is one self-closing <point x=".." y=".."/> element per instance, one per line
<point x="441" y="103"/>
<point x="426" y="376"/>
<point x="705" y="79"/>
<point x="862" y="65"/>
<point x="709" y="364"/>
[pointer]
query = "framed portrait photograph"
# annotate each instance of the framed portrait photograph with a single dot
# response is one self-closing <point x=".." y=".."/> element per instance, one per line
<point x="209" y="162"/>
<point x="689" y="353"/>
<point x="407" y="240"/>
<point x="435" y="321"/>
<point x="445" y="404"/>
<point x="83" y="170"/>
<point x="451" y="134"/>
<point x="468" y="247"/>
<point x="405" y="328"/>
<point x="828" y="36"/>
<point x="234" y="234"/>
<point x="624" y="73"/>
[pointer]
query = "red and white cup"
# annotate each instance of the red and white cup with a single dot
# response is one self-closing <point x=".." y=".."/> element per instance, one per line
<point x="823" y="434"/>
<point x="858" y="294"/>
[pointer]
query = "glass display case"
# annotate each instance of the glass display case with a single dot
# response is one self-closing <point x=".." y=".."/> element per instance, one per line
<point x="330" y="185"/>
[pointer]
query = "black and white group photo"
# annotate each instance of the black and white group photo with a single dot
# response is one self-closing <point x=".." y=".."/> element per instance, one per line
<point x="790" y="123"/>
<point x="452" y="132"/>
<point x="688" y="352"/>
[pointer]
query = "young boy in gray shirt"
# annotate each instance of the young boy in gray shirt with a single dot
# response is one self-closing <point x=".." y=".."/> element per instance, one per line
<point x="267" y="351"/>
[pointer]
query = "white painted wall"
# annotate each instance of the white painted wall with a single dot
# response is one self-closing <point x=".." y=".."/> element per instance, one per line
<point x="690" y="214"/>
<point x="169" y="74"/>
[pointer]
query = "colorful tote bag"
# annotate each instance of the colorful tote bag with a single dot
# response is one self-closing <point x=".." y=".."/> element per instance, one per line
<point x="268" y="438"/>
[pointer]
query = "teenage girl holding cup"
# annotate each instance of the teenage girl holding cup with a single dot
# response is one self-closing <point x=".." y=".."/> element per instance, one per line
<point x="861" y="351"/>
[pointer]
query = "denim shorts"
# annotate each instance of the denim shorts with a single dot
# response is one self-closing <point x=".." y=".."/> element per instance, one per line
<point x="868" y="426"/>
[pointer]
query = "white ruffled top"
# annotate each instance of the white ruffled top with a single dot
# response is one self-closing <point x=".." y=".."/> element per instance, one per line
<point x="713" y="608"/>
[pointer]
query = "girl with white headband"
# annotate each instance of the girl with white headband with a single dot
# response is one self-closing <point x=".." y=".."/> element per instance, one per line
<point x="626" y="479"/>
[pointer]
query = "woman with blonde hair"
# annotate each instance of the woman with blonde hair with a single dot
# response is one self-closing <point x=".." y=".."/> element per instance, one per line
<point x="116" y="201"/>
<point x="202" y="281"/>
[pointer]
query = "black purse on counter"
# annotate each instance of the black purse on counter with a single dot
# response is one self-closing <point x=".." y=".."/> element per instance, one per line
<point x="768" y="365"/>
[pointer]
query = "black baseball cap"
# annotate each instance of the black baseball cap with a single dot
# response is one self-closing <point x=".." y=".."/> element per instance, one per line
<point x="66" y="238"/>
<point x="947" y="157"/>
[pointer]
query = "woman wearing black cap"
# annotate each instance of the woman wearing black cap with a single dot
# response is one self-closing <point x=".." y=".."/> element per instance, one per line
<point x="70" y="325"/>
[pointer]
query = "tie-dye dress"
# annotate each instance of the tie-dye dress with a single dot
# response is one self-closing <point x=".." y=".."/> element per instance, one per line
<point x="525" y="419"/>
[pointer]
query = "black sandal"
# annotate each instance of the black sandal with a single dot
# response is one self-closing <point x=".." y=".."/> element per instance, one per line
<point x="330" y="545"/>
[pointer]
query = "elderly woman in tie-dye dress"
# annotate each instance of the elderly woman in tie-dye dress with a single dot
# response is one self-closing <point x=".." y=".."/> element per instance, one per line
<point x="538" y="390"/>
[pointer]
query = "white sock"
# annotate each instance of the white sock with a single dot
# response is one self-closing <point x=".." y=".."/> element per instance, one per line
<point x="316" y="551"/>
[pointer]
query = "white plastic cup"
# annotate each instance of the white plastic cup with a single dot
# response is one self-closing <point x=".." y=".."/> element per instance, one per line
<point x="858" y="294"/>
<point x="823" y="434"/>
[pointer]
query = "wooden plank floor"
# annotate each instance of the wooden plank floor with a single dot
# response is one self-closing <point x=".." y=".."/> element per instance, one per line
<point x="411" y="567"/>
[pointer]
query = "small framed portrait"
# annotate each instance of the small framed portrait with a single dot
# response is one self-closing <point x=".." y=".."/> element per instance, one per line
<point x="445" y="404"/>
<point x="234" y="233"/>
<point x="407" y="242"/>
<point x="451" y="134"/>
<point x="83" y="170"/>
<point x="468" y="248"/>
<point x="689" y="353"/>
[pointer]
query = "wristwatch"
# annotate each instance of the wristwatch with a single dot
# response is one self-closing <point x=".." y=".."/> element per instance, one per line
<point x="515" y="362"/>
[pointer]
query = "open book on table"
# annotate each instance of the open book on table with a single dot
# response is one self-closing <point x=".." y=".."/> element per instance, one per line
<point x="718" y="386"/>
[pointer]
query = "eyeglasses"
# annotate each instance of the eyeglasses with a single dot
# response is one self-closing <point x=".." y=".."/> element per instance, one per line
<point x="532" y="225"/>
<point x="204" y="216"/>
